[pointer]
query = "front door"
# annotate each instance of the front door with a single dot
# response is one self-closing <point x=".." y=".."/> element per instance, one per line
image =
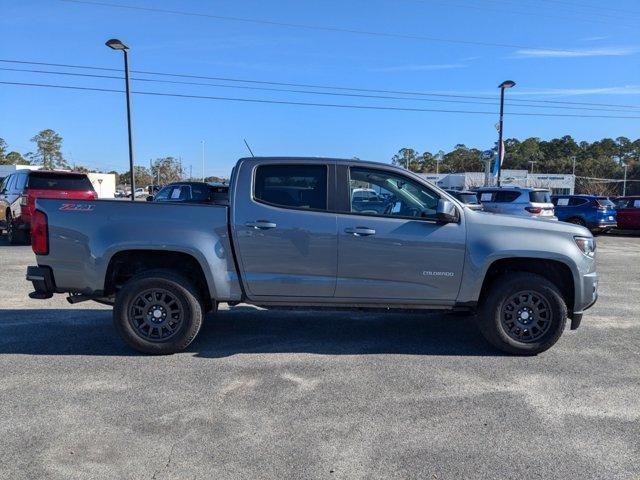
<point x="394" y="249"/>
<point x="285" y="233"/>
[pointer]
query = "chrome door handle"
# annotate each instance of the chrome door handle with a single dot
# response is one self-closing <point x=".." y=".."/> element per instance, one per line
<point x="261" y="225"/>
<point x="360" y="231"/>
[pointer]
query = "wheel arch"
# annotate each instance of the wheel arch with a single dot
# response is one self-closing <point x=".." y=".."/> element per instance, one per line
<point x="125" y="264"/>
<point x="556" y="271"/>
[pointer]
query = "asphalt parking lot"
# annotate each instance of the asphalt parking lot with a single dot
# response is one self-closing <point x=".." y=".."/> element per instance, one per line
<point x="319" y="395"/>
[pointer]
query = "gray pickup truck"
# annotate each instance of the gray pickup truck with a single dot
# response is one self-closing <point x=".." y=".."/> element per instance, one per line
<point x="295" y="235"/>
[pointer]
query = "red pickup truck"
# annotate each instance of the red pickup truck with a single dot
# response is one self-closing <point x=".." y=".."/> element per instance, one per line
<point x="19" y="191"/>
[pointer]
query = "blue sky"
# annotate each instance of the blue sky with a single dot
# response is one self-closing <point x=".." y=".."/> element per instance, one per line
<point x="562" y="50"/>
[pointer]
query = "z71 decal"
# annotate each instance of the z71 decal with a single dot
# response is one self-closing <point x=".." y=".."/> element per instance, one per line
<point x="76" y="207"/>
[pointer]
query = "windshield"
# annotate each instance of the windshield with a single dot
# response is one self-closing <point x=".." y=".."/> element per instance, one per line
<point x="540" y="196"/>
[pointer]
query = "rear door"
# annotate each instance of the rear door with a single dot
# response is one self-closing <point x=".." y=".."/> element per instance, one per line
<point x="400" y="253"/>
<point x="284" y="226"/>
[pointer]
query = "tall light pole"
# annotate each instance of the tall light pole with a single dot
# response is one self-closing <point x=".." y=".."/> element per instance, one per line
<point x="116" y="44"/>
<point x="532" y="162"/>
<point x="203" y="160"/>
<point x="574" y="165"/>
<point x="503" y="86"/>
<point x="624" y="184"/>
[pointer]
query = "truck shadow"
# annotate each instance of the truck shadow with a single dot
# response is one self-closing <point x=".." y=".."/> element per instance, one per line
<point x="244" y="330"/>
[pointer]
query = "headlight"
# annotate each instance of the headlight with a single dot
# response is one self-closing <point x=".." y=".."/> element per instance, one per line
<point x="587" y="245"/>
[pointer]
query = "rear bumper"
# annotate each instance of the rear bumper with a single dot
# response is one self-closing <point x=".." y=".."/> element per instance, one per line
<point x="43" y="282"/>
<point x="603" y="224"/>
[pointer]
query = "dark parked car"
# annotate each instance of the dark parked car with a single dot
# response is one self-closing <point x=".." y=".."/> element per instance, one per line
<point x="468" y="198"/>
<point x="628" y="209"/>
<point x="19" y="191"/>
<point x="193" y="192"/>
<point x="596" y="213"/>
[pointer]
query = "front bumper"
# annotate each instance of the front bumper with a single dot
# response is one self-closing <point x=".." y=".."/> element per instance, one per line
<point x="589" y="292"/>
<point x="43" y="282"/>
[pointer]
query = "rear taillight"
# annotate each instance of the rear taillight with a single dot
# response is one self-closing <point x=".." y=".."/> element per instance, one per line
<point x="94" y="195"/>
<point x="39" y="233"/>
<point x="534" y="210"/>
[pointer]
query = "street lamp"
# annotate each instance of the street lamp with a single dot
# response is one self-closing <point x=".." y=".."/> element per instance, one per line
<point x="503" y="86"/>
<point x="116" y="44"/>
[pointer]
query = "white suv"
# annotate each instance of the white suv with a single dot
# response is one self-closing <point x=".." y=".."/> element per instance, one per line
<point x="527" y="202"/>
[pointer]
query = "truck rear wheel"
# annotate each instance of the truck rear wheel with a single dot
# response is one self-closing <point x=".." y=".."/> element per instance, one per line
<point x="158" y="312"/>
<point x="523" y="314"/>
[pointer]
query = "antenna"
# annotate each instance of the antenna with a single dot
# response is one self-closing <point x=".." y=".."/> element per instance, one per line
<point x="248" y="147"/>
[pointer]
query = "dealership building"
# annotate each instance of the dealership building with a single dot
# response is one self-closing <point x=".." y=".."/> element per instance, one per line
<point x="560" y="184"/>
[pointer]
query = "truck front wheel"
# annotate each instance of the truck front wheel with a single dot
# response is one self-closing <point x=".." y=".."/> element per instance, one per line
<point x="158" y="312"/>
<point x="523" y="314"/>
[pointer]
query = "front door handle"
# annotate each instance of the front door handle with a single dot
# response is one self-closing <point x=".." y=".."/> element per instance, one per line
<point x="261" y="225"/>
<point x="360" y="231"/>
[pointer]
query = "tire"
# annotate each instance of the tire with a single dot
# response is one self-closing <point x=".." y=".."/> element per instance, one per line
<point x="577" y="221"/>
<point x="14" y="236"/>
<point x="504" y="322"/>
<point x="158" y="312"/>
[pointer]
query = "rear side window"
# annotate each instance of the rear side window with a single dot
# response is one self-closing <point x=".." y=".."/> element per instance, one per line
<point x="505" y="196"/>
<point x="200" y="193"/>
<point x="467" y="198"/>
<point x="540" y="196"/>
<point x="219" y="194"/>
<point x="576" y="202"/>
<point x="21" y="181"/>
<point x="293" y="186"/>
<point x="605" y="202"/>
<point x="59" y="181"/>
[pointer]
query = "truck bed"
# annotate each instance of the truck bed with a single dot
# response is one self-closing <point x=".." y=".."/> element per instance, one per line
<point x="85" y="235"/>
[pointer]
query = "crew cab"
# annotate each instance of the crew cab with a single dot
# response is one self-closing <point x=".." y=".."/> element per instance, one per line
<point x="292" y="237"/>
<point x="19" y="191"/>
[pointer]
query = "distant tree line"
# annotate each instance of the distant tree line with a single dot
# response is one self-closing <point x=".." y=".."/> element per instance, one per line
<point x="600" y="159"/>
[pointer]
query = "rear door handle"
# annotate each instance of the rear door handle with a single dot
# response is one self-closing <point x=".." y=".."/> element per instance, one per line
<point x="261" y="225"/>
<point x="360" y="231"/>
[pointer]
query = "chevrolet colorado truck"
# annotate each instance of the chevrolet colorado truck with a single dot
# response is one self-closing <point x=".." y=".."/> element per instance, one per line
<point x="295" y="235"/>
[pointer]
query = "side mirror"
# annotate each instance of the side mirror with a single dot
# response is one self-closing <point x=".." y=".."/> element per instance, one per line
<point x="446" y="212"/>
<point x="149" y="198"/>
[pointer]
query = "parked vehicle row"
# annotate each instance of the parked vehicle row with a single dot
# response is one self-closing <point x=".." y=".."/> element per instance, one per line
<point x="18" y="193"/>
<point x="295" y="234"/>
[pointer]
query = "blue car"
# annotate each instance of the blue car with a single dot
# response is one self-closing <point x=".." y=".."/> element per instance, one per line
<point x="596" y="213"/>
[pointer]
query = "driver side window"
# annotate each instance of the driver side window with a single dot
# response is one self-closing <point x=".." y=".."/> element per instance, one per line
<point x="382" y="193"/>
